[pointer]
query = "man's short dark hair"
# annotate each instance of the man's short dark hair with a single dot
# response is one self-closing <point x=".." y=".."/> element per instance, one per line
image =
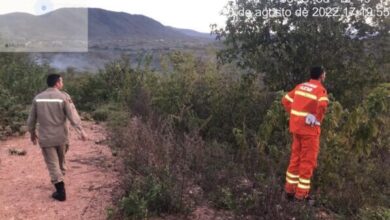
<point x="52" y="79"/>
<point x="316" y="72"/>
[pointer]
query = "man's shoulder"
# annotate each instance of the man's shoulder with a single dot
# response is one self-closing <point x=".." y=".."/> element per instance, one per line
<point x="50" y="94"/>
<point x="65" y="93"/>
<point x="317" y="86"/>
<point x="67" y="96"/>
<point x="321" y="91"/>
<point x="41" y="95"/>
<point x="297" y="86"/>
<point x="322" y="87"/>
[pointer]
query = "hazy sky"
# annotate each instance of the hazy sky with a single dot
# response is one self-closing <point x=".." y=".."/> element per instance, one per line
<point x="193" y="14"/>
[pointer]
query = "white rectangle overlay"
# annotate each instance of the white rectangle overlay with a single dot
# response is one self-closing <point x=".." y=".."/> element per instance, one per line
<point x="43" y="26"/>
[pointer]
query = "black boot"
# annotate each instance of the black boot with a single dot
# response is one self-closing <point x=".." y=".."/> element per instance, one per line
<point x="309" y="200"/>
<point x="289" y="196"/>
<point x="60" y="194"/>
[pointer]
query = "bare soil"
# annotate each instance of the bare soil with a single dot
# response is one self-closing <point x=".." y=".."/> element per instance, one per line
<point x="90" y="181"/>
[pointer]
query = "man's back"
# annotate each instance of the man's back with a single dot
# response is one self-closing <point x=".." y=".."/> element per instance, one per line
<point x="307" y="98"/>
<point x="50" y="110"/>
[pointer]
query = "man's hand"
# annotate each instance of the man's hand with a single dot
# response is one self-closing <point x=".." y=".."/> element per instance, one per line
<point x="312" y="120"/>
<point x="84" y="136"/>
<point x="34" y="138"/>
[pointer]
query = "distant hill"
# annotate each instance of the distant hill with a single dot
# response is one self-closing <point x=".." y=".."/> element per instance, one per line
<point x="103" y="25"/>
<point x="194" y="34"/>
<point x="106" y="25"/>
<point x="111" y="34"/>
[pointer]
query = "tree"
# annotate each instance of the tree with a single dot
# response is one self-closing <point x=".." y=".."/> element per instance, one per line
<point x="283" y="46"/>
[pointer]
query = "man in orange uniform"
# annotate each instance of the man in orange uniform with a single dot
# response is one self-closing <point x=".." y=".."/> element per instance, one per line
<point x="306" y="104"/>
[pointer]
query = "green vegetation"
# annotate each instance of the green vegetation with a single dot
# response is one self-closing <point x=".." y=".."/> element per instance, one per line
<point x="20" y="79"/>
<point x="197" y="132"/>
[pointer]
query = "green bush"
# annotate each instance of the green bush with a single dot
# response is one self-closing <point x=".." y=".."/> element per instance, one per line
<point x="21" y="76"/>
<point x="379" y="213"/>
<point x="12" y="115"/>
<point x="101" y="114"/>
<point x="20" y="80"/>
<point x="156" y="166"/>
<point x="149" y="196"/>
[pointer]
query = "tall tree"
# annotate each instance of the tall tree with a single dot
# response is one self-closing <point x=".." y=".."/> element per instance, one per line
<point x="276" y="38"/>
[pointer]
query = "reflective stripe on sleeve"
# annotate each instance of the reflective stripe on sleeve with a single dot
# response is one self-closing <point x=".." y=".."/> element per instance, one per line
<point x="50" y="100"/>
<point x="306" y="95"/>
<point x="298" y="113"/>
<point x="323" y="99"/>
<point x="289" y="98"/>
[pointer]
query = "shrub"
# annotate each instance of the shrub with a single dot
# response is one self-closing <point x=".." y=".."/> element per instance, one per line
<point x="20" y="80"/>
<point x="379" y="213"/>
<point x="157" y="167"/>
<point x="100" y="114"/>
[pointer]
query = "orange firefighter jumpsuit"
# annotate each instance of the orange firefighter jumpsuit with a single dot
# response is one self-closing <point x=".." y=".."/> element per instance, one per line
<point x="307" y="98"/>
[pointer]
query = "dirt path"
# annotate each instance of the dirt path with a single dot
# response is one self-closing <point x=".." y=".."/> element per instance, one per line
<point x="25" y="188"/>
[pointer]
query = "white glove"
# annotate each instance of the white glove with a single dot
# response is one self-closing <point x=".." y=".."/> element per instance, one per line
<point x="312" y="120"/>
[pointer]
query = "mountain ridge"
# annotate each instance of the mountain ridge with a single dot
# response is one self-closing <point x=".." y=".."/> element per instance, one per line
<point x="103" y="25"/>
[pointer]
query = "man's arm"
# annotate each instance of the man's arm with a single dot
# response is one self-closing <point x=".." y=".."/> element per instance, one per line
<point x="31" y="123"/>
<point x="323" y="101"/>
<point x="288" y="99"/>
<point x="73" y="117"/>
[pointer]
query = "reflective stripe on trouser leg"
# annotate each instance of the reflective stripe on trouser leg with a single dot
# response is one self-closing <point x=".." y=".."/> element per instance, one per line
<point x="290" y="185"/>
<point x="292" y="181"/>
<point x="302" y="191"/>
<point x="292" y="177"/>
<point x="52" y="162"/>
<point x="308" y="162"/>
